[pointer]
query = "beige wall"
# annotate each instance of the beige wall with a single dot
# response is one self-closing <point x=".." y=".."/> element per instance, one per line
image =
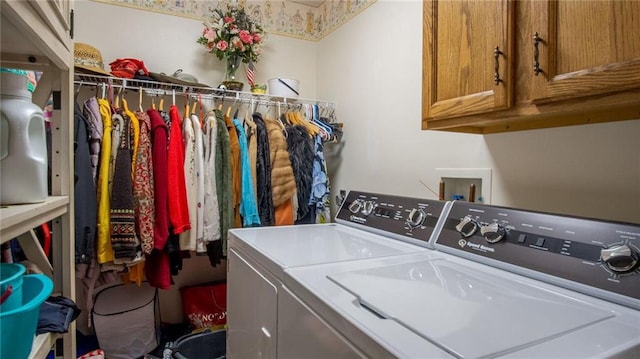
<point x="372" y="66"/>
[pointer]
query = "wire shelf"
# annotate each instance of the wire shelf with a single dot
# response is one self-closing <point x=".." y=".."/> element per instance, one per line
<point x="155" y="88"/>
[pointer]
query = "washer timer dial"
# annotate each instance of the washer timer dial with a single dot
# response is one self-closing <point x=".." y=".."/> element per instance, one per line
<point x="416" y="218"/>
<point x="467" y="226"/>
<point x="619" y="258"/>
<point x="493" y="232"/>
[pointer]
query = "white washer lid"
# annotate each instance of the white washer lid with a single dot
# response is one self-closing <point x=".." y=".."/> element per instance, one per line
<point x="467" y="312"/>
<point x="292" y="246"/>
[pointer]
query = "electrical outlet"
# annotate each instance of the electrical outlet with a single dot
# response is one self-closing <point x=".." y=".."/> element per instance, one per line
<point x="458" y="181"/>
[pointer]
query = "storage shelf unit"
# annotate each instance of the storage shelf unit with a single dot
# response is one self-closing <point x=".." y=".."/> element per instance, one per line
<point x="16" y="220"/>
<point x="35" y="35"/>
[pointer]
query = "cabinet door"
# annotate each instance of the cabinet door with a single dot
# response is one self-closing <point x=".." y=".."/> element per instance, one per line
<point x="252" y="309"/>
<point x="57" y="15"/>
<point x="467" y="57"/>
<point x="586" y="47"/>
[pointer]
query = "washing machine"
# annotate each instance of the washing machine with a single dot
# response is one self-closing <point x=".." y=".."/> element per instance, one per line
<point x="500" y="283"/>
<point x="265" y="317"/>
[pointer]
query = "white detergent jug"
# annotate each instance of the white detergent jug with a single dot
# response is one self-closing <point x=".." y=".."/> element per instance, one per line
<point x="23" y="147"/>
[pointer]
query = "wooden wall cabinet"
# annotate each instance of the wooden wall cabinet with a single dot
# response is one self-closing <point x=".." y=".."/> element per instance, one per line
<point x="587" y="56"/>
<point x="36" y="36"/>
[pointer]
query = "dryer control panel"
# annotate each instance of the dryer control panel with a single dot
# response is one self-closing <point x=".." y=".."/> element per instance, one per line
<point x="596" y="257"/>
<point x="412" y="220"/>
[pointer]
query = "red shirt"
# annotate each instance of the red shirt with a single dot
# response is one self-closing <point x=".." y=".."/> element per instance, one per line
<point x="160" y="138"/>
<point x="178" y="206"/>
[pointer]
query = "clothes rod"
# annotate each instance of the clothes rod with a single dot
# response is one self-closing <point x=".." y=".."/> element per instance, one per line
<point x="154" y="88"/>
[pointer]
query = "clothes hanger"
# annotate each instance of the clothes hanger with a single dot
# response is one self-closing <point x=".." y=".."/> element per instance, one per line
<point x="116" y="105"/>
<point x="75" y="97"/>
<point x="140" y="100"/>
<point x="194" y="106"/>
<point x="125" y="105"/>
<point x="187" y="108"/>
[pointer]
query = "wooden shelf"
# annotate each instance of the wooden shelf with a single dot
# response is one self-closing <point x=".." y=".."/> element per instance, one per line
<point x="18" y="219"/>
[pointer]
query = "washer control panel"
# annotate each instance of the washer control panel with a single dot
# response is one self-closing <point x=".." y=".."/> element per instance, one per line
<point x="410" y="219"/>
<point x="597" y="254"/>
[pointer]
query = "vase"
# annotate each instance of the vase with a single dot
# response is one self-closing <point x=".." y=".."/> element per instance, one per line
<point x="232" y="63"/>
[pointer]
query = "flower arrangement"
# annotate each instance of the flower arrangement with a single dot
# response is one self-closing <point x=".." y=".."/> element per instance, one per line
<point x="233" y="36"/>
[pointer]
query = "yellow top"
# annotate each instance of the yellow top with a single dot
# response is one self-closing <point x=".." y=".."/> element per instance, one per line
<point x="104" y="249"/>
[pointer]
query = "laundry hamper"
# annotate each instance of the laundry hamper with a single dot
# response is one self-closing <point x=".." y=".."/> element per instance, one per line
<point x="126" y="321"/>
<point x="204" y="345"/>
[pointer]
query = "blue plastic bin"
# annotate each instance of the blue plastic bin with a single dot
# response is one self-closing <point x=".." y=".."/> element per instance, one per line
<point x="18" y="326"/>
<point x="11" y="276"/>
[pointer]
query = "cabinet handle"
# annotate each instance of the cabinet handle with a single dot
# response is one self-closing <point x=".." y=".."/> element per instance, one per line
<point x="496" y="73"/>
<point x="536" y="54"/>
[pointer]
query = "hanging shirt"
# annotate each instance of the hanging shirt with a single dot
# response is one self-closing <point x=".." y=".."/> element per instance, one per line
<point x="283" y="182"/>
<point x="160" y="139"/>
<point x="248" y="206"/>
<point x="84" y="190"/>
<point x="117" y="126"/>
<point x="124" y="241"/>
<point x="211" y="212"/>
<point x="224" y="187"/>
<point x="103" y="242"/>
<point x="143" y="191"/>
<point x="199" y="165"/>
<point x="301" y="153"/>
<point x="91" y="111"/>
<point x="263" y="173"/>
<point x="178" y="207"/>
<point x="135" y="134"/>
<point x="250" y="130"/>
<point x="188" y="237"/>
<point x="236" y="174"/>
<point x="320" y="189"/>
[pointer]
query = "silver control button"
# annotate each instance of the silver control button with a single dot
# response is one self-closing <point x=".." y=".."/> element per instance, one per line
<point x="493" y="232"/>
<point x="619" y="258"/>
<point x="355" y="206"/>
<point x="467" y="226"/>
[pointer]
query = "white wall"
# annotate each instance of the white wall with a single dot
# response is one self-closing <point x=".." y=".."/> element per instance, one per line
<point x="166" y="43"/>
<point x="372" y="67"/>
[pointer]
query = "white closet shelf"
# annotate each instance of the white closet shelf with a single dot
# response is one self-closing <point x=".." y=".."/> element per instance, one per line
<point x="42" y="345"/>
<point x="18" y="219"/>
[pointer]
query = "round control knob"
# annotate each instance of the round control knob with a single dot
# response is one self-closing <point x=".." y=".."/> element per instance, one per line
<point x="493" y="232"/>
<point x="416" y="217"/>
<point x="619" y="258"/>
<point x="355" y="206"/>
<point x="368" y="207"/>
<point x="467" y="226"/>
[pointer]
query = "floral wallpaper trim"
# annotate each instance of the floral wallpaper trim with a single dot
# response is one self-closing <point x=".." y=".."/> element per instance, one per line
<point x="277" y="17"/>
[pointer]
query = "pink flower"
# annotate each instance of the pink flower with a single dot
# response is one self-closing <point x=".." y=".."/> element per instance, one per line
<point x="228" y="20"/>
<point x="257" y="38"/>
<point x="222" y="45"/>
<point x="209" y="34"/>
<point x="237" y="43"/>
<point x="245" y="36"/>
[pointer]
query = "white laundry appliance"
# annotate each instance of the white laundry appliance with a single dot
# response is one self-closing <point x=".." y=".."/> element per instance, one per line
<point x="263" y="314"/>
<point x="501" y="283"/>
